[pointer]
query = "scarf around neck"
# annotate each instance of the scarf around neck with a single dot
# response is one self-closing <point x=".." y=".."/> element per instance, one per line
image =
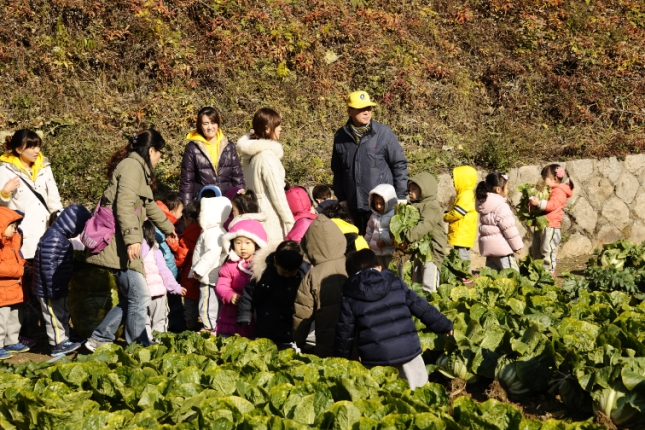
<point x="359" y="132"/>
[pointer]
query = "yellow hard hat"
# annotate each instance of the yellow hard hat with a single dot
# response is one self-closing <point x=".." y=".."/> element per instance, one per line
<point x="359" y="100"/>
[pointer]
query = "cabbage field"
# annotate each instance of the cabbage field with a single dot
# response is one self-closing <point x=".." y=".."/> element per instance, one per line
<point x="518" y="331"/>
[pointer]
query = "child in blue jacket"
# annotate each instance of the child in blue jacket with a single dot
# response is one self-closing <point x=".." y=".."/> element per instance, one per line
<point x="376" y="312"/>
<point x="52" y="273"/>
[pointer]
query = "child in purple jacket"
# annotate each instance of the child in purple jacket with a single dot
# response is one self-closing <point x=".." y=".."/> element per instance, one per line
<point x="159" y="279"/>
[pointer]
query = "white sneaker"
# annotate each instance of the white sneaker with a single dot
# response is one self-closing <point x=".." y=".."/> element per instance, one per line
<point x="92" y="344"/>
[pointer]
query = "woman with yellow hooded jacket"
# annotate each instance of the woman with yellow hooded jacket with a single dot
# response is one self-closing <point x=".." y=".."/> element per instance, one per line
<point x="27" y="185"/>
<point x="209" y="158"/>
<point x="462" y="217"/>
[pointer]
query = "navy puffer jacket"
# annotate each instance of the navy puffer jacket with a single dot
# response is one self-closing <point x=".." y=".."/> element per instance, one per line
<point x="376" y="312"/>
<point x="54" y="255"/>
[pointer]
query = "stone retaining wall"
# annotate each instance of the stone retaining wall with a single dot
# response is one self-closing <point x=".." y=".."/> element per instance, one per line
<point x="608" y="203"/>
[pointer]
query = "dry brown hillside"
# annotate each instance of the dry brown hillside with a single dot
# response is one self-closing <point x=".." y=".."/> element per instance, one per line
<point x="495" y="83"/>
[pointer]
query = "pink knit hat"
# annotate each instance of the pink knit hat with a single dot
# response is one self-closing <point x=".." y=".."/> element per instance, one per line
<point x="248" y="228"/>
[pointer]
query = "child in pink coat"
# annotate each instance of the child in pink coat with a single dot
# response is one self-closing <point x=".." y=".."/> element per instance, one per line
<point x="159" y="279"/>
<point x="499" y="238"/>
<point x="300" y="206"/>
<point x="241" y="242"/>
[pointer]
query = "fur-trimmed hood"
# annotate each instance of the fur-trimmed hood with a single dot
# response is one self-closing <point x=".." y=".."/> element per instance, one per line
<point x="388" y="193"/>
<point x="259" y="263"/>
<point x="250" y="147"/>
<point x="250" y="229"/>
<point x="259" y="217"/>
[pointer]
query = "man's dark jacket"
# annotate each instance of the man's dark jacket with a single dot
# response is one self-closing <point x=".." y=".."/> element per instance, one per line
<point x="376" y="313"/>
<point x="377" y="159"/>
<point x="197" y="171"/>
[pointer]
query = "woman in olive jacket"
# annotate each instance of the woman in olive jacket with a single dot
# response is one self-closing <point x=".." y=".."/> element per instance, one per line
<point x="209" y="158"/>
<point x="129" y="195"/>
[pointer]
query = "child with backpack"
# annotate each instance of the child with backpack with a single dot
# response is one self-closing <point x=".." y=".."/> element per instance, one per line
<point x="462" y="216"/>
<point x="53" y="264"/>
<point x="499" y="238"/>
<point x="159" y="280"/>
<point x="422" y="189"/>
<point x="241" y="242"/>
<point x="376" y="315"/>
<point x="382" y="200"/>
<point x="11" y="293"/>
<point x="546" y="241"/>
<point x="183" y="250"/>
<point x="207" y="256"/>
<point x="272" y="292"/>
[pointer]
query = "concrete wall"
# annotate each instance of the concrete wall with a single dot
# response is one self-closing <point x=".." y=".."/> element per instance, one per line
<point x="608" y="202"/>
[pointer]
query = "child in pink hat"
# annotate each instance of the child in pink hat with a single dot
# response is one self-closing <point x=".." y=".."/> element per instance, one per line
<point x="241" y="242"/>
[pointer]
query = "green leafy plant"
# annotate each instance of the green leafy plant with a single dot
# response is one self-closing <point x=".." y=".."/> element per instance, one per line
<point x="530" y="215"/>
<point x="405" y="217"/>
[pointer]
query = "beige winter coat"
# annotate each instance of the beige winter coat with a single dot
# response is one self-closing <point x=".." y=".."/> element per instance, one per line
<point x="23" y="199"/>
<point x="264" y="174"/>
<point x="319" y="294"/>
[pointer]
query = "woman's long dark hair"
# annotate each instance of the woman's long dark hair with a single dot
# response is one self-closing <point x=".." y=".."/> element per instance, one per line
<point x="495" y="179"/>
<point x="265" y="121"/>
<point x="141" y="144"/>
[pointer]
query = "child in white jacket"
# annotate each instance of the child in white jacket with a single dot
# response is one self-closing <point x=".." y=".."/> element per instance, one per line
<point x="382" y="200"/>
<point x="159" y="279"/>
<point x="208" y="256"/>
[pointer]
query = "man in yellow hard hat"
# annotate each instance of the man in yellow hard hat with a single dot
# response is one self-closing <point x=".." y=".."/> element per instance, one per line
<point x="366" y="153"/>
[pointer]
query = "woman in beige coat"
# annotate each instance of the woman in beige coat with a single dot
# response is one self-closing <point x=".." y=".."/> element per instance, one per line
<point x="264" y="174"/>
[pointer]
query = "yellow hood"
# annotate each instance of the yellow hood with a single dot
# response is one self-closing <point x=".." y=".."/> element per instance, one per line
<point x="347" y="228"/>
<point x="196" y="137"/>
<point x="213" y="149"/>
<point x="465" y="178"/>
<point x="344" y="226"/>
<point x="38" y="164"/>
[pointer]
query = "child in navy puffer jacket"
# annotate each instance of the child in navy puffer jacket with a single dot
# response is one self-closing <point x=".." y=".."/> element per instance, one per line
<point x="52" y="273"/>
<point x="376" y="313"/>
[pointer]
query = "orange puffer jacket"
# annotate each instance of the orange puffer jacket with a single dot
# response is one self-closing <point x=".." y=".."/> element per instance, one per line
<point x="11" y="263"/>
<point x="554" y="207"/>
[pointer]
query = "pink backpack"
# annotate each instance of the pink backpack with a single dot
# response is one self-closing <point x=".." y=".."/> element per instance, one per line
<point x="100" y="229"/>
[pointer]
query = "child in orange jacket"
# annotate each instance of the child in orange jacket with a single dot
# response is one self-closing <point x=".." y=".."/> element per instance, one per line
<point x="11" y="293"/>
<point x="183" y="250"/>
<point x="546" y="241"/>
